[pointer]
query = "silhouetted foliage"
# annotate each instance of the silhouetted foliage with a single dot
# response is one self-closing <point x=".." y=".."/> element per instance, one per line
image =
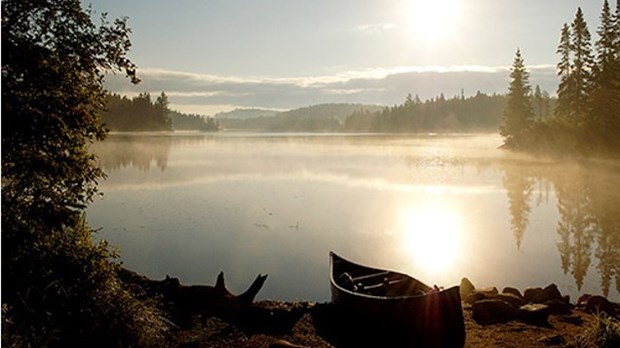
<point x="518" y="115"/>
<point x="137" y="114"/>
<point x="181" y="121"/>
<point x="605" y="93"/>
<point x="586" y="119"/>
<point x="59" y="287"/>
<point x="478" y="113"/>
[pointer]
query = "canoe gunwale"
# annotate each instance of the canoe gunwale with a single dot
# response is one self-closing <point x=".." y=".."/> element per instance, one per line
<point x="335" y="284"/>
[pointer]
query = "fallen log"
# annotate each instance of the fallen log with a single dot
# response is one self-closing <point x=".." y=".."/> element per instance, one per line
<point x="186" y="301"/>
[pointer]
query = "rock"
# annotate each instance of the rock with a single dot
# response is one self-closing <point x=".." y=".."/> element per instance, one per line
<point x="559" y="307"/>
<point x="535" y="314"/>
<point x="475" y="296"/>
<point x="583" y="299"/>
<point x="490" y="291"/>
<point x="551" y="293"/>
<point x="514" y="291"/>
<point x="466" y="288"/>
<point x="554" y="340"/>
<point x="599" y="304"/>
<point x="493" y="311"/>
<point x="481" y="294"/>
<point x="512" y="299"/>
<point x="539" y="295"/>
<point x="532" y="294"/>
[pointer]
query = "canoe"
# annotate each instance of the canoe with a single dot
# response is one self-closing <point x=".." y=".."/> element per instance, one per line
<point x="394" y="302"/>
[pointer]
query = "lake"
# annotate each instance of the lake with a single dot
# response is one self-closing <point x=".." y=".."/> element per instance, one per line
<point x="438" y="207"/>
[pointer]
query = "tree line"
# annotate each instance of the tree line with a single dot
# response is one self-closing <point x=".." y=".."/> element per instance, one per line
<point x="141" y="113"/>
<point x="458" y="114"/>
<point x="586" y="117"/>
<point x="481" y="112"/>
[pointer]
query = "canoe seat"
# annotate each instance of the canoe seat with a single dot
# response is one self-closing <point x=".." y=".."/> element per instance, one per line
<point x="347" y="281"/>
<point x="370" y="277"/>
<point x="381" y="287"/>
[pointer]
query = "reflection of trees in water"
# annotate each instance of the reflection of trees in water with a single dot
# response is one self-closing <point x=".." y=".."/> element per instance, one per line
<point x="575" y="225"/>
<point x="142" y="151"/>
<point x="129" y="151"/>
<point x="519" y="190"/>
<point x="588" y="204"/>
<point x="605" y="209"/>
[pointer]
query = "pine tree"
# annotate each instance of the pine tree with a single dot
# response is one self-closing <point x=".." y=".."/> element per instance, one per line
<point x="605" y="101"/>
<point x="518" y="115"/>
<point x="581" y="70"/>
<point x="563" y="107"/>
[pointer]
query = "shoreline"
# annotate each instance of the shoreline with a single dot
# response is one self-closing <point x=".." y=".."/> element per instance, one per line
<point x="224" y="322"/>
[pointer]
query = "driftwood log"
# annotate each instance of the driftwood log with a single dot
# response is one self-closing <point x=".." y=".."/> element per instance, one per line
<point x="183" y="302"/>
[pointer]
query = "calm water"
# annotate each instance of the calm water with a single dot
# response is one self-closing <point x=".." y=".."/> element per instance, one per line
<point x="436" y="207"/>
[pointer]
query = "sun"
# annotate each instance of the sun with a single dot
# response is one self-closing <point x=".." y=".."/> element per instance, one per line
<point x="432" y="236"/>
<point x="433" y="20"/>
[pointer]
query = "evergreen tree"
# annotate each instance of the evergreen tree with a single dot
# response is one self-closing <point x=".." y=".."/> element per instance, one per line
<point x="565" y="87"/>
<point x="605" y="93"/>
<point x="539" y="102"/>
<point x="162" y="111"/>
<point x="605" y="90"/>
<point x="581" y="70"/>
<point x="518" y="115"/>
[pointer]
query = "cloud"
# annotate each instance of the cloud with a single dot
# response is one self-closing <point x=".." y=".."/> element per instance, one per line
<point x="202" y="93"/>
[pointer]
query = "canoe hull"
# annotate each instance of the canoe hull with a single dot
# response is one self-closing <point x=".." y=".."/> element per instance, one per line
<point x="431" y="319"/>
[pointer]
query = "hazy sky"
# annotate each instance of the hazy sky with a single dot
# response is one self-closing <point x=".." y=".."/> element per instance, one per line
<point x="214" y="55"/>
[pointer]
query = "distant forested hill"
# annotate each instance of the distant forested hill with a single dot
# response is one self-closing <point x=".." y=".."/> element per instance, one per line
<point x="243" y="114"/>
<point x="317" y="118"/>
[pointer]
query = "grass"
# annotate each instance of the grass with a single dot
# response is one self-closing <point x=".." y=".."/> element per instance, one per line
<point x="603" y="333"/>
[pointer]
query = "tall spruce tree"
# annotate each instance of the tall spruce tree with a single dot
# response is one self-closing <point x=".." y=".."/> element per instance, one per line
<point x="581" y="70"/>
<point x="605" y="97"/>
<point x="518" y="115"/>
<point x="565" y="87"/>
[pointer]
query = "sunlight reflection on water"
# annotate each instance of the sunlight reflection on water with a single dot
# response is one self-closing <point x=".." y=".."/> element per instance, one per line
<point x="432" y="235"/>
<point x="436" y="207"/>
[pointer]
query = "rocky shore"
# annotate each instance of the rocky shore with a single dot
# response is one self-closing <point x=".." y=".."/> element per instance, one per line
<point x="534" y="317"/>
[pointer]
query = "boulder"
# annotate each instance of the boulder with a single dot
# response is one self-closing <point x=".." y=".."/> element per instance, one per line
<point x="540" y="295"/>
<point x="490" y="291"/>
<point x="493" y="311"/>
<point x="480" y="294"/>
<point x="599" y="304"/>
<point x="583" y="299"/>
<point x="466" y="288"/>
<point x="514" y="291"/>
<point x="559" y="307"/>
<point x="512" y="299"/>
<point x="532" y="294"/>
<point x="474" y="297"/>
<point x="551" y="293"/>
<point x="535" y="314"/>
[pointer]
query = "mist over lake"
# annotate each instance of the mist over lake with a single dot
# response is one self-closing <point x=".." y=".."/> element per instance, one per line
<point x="438" y="207"/>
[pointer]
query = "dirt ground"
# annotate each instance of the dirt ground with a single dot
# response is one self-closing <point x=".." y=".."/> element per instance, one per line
<point x="311" y="325"/>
